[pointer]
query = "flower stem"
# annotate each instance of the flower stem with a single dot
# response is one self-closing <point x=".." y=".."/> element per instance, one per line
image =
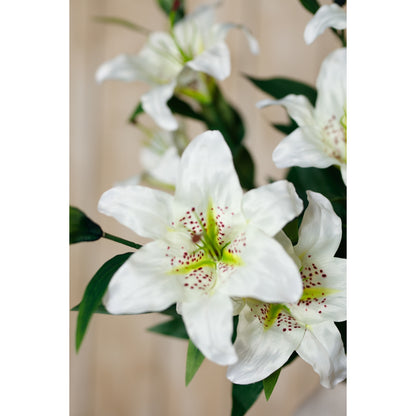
<point x="121" y="240"/>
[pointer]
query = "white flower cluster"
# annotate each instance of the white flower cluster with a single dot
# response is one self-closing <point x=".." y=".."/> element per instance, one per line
<point x="216" y="251"/>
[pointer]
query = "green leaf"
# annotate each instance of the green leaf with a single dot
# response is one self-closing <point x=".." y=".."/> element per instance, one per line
<point x="244" y="396"/>
<point x="194" y="359"/>
<point x="286" y="128"/>
<point x="122" y="22"/>
<point x="244" y="167"/>
<point x="310" y="5"/>
<point x="291" y="230"/>
<point x="81" y="228"/>
<point x="99" y="309"/>
<point x="168" y="5"/>
<point x="182" y="108"/>
<point x="269" y="383"/>
<point x="137" y="111"/>
<point x="94" y="293"/>
<point x="173" y="328"/>
<point x="280" y="87"/>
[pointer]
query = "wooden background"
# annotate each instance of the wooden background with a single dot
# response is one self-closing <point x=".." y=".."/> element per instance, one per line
<point x="121" y="369"/>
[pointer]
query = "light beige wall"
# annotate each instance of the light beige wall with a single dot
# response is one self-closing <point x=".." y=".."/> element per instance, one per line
<point x="122" y="370"/>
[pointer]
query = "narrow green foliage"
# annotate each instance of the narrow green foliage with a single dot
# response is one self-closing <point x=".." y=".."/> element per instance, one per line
<point x="269" y="383"/>
<point x="194" y="359"/>
<point x="280" y="87"/>
<point x="82" y="228"/>
<point x="122" y="22"/>
<point x="136" y="112"/>
<point x="173" y="328"/>
<point x="99" y="309"/>
<point x="244" y="396"/>
<point x="94" y="293"/>
<point x="310" y="5"/>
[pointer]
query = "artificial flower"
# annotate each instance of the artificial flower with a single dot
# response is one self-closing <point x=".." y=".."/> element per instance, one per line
<point x="212" y="243"/>
<point x="171" y="61"/>
<point x="320" y="140"/>
<point x="328" y="15"/>
<point x="267" y="334"/>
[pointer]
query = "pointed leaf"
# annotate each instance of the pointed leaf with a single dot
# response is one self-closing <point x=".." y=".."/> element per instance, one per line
<point x="173" y="328"/>
<point x="269" y="383"/>
<point x="244" y="396"/>
<point x="94" y="293"/>
<point x="137" y="111"/>
<point x="194" y="359"/>
<point x="310" y="5"/>
<point x="99" y="309"/>
<point x="81" y="228"/>
<point x="280" y="87"/>
<point x="182" y="108"/>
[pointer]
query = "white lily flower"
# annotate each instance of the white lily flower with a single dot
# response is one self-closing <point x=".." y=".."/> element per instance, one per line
<point x="320" y="140"/>
<point x="329" y="15"/>
<point x="172" y="61"/>
<point x="211" y="244"/>
<point x="267" y="334"/>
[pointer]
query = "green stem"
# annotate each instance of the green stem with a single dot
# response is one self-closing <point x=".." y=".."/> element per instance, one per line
<point x="121" y="240"/>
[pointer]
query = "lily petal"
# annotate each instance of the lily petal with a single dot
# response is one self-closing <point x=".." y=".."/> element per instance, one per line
<point x="142" y="284"/>
<point x="214" y="61"/>
<point x="123" y="68"/>
<point x="271" y="207"/>
<point x="331" y="85"/>
<point x="277" y="278"/>
<point x="260" y="352"/>
<point x="321" y="229"/>
<point x="252" y="41"/>
<point x="327" y="16"/>
<point x="207" y="173"/>
<point x="155" y="104"/>
<point x="208" y="320"/>
<point x="322" y="348"/>
<point x="144" y="210"/>
<point x="302" y="148"/>
<point x="298" y="107"/>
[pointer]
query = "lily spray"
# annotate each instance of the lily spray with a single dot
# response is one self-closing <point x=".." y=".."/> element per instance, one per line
<point x="212" y="246"/>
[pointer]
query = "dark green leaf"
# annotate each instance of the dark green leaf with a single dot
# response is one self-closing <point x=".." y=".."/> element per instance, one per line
<point x="122" y="22"/>
<point x="173" y="328"/>
<point x="222" y="116"/>
<point x="137" y="111"/>
<point x="171" y="311"/>
<point x="310" y="5"/>
<point x="81" y="228"/>
<point x="280" y="87"/>
<point x="94" y="293"/>
<point x="244" y="166"/>
<point x="194" y="359"/>
<point x="99" y="309"/>
<point x="168" y="5"/>
<point x="286" y="128"/>
<point x="182" y="108"/>
<point x="244" y="396"/>
<point x="291" y="230"/>
<point x="270" y="382"/>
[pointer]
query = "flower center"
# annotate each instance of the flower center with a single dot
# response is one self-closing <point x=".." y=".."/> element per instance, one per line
<point x="211" y="250"/>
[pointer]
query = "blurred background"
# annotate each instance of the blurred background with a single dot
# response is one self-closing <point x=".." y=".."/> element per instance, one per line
<point x="122" y="369"/>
